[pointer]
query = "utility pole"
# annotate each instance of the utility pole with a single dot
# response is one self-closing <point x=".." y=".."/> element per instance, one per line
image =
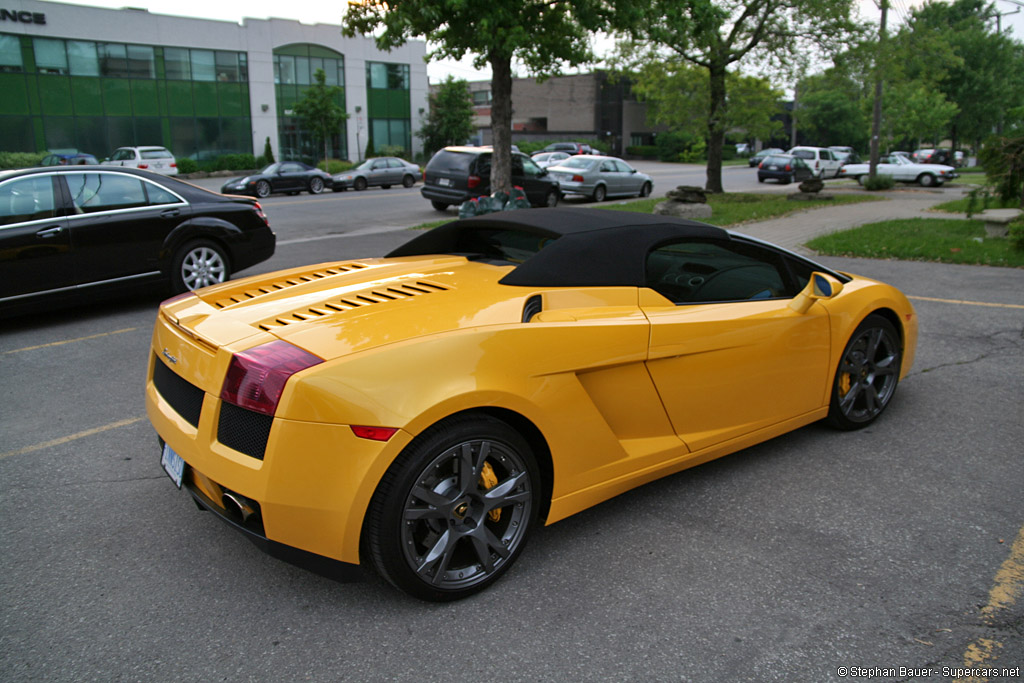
<point x="876" y="123"/>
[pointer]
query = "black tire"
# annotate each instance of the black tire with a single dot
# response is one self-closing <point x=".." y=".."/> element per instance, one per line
<point x="385" y="187"/>
<point x="760" y="179"/>
<point x="600" y="192"/>
<point x="454" y="511"/>
<point x="316" y="185"/>
<point x="926" y="180"/>
<point x="408" y="181"/>
<point x="198" y="264"/>
<point x="262" y="189"/>
<point x="868" y="373"/>
<point x="787" y="180"/>
<point x="551" y="199"/>
<point x="359" y="183"/>
<point x="439" y="206"/>
<point x="337" y="189"/>
<point x="645" y="190"/>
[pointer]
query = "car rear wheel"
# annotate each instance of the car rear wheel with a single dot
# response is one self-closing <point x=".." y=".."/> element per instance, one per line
<point x="868" y="373"/>
<point x="454" y="511"/>
<point x="439" y="206"/>
<point x="926" y="179"/>
<point x="645" y="190"/>
<point x="600" y="193"/>
<point x="262" y="189"/>
<point x="359" y="184"/>
<point x="316" y="185"/>
<point x="199" y="264"/>
<point x="551" y="199"/>
<point x="862" y="179"/>
<point x="408" y="181"/>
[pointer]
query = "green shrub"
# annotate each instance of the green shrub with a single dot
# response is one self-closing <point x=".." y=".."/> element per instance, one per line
<point x="391" y="151"/>
<point x="20" y="159"/>
<point x="235" y="162"/>
<point x="333" y="166"/>
<point x="268" y="154"/>
<point x="186" y="165"/>
<point x="645" y="151"/>
<point x="1016" y="235"/>
<point x="728" y="152"/>
<point x="879" y="182"/>
<point x="696" y="154"/>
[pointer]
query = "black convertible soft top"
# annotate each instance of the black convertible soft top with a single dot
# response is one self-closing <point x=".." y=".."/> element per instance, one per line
<point x="589" y="247"/>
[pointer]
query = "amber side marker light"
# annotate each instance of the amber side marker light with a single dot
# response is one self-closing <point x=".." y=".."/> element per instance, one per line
<point x="374" y="433"/>
<point x="256" y="377"/>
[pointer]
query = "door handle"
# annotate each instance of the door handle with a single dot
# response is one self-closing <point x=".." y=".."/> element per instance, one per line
<point x="49" y="232"/>
<point x="170" y="213"/>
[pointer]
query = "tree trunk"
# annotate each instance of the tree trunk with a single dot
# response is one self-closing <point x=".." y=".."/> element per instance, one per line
<point x="716" y="128"/>
<point x="501" y="123"/>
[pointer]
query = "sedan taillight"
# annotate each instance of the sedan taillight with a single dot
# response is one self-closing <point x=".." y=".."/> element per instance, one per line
<point x="577" y="179"/>
<point x="259" y="212"/>
<point x="474" y="180"/>
<point x="143" y="165"/>
<point x="255" y="379"/>
<point x="788" y="167"/>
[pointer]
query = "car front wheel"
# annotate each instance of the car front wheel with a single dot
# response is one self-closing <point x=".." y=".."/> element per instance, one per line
<point x="926" y="179"/>
<point x="359" y="184"/>
<point x="316" y="185"/>
<point x="551" y="199"/>
<point x="454" y="510"/>
<point x="600" y="193"/>
<point x="262" y="189"/>
<point x="868" y="372"/>
<point x="645" y="190"/>
<point x="198" y="264"/>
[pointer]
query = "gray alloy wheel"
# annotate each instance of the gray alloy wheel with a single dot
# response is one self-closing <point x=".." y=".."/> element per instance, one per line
<point x="861" y="179"/>
<point x="262" y="189"/>
<point x="551" y="200"/>
<point x="454" y="511"/>
<point x="199" y="264"/>
<point x="600" y="192"/>
<point x="926" y="179"/>
<point x="868" y="373"/>
<point x="316" y="185"/>
<point x="645" y="190"/>
<point x="408" y="181"/>
<point x="359" y="183"/>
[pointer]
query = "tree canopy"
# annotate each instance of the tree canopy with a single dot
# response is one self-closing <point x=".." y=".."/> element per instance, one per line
<point x="320" y="111"/>
<point x="450" y="118"/>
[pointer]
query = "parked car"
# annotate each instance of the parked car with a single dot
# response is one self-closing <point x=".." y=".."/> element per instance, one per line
<point x="599" y="177"/>
<point x="846" y="157"/>
<point x="70" y="232"/>
<point x="906" y="155"/>
<point x="785" y="168"/>
<point x="822" y="161"/>
<point x="933" y="156"/>
<point x="68" y="158"/>
<point x="757" y="158"/>
<point x="902" y="170"/>
<point x="423" y="413"/>
<point x="291" y="177"/>
<point x="156" y="159"/>
<point x="742" y="148"/>
<point x="456" y="174"/>
<point x="545" y="159"/>
<point x="570" y="147"/>
<point x="379" y="172"/>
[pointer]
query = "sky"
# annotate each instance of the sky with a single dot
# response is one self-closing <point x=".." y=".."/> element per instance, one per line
<point x="330" y="12"/>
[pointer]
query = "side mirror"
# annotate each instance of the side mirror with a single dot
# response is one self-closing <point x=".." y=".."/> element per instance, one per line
<point x="820" y="287"/>
<point x="632" y="170"/>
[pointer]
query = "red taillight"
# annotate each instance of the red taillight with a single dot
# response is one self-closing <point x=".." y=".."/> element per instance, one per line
<point x="473" y="181"/>
<point x="256" y="378"/>
<point x="143" y="165"/>
<point x="788" y="167"/>
<point x="374" y="433"/>
<point x="761" y="165"/>
<point x="174" y="165"/>
<point x="259" y="212"/>
<point x="577" y="179"/>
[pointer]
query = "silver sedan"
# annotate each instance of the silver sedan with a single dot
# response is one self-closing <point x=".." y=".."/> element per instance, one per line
<point x="598" y="177"/>
<point x="383" y="171"/>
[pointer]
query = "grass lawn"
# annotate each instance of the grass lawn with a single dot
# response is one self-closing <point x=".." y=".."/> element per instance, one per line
<point x="731" y="208"/>
<point x="960" y="205"/>
<point x="922" y="239"/>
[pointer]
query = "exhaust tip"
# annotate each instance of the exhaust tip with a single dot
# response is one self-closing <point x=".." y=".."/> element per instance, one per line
<point x="238" y="506"/>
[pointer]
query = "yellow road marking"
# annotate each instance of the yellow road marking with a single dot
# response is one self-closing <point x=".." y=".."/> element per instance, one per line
<point x="1008" y="586"/>
<point x="72" y="437"/>
<point x="965" y="303"/>
<point x="71" y="341"/>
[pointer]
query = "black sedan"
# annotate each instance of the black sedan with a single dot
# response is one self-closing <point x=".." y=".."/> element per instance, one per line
<point x="292" y="177"/>
<point x="70" y="232"/>
<point x="785" y="168"/>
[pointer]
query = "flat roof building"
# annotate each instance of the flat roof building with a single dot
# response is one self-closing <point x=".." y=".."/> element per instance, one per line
<point x="96" y="79"/>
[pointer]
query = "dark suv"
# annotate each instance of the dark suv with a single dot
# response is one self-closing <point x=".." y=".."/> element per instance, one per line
<point x="456" y="174"/>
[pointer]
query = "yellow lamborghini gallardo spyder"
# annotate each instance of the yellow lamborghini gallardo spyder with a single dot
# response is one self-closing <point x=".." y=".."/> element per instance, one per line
<point x="420" y="413"/>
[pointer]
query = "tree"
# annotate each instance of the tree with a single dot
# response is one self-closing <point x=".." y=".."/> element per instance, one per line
<point x="715" y="35"/>
<point x="320" y="111"/>
<point x="541" y="35"/>
<point x="450" y="118"/>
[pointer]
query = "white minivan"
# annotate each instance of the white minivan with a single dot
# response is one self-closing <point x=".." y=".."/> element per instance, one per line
<point x="156" y="159"/>
<point x="824" y="162"/>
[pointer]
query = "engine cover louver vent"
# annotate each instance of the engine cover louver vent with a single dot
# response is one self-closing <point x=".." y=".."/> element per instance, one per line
<point x="369" y="297"/>
<point x="312" y="276"/>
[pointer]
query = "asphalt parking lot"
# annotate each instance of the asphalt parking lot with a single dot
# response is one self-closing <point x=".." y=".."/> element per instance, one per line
<point x="896" y="552"/>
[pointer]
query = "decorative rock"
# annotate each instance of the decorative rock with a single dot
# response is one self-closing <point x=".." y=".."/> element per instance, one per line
<point x="997" y="221"/>
<point x="688" y="194"/>
<point x="682" y="209"/>
<point x="812" y="184"/>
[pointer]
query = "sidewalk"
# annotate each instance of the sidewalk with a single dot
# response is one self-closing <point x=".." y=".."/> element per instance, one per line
<point x="794" y="230"/>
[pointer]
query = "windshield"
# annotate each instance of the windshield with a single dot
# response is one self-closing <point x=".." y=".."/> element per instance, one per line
<point x="269" y="170"/>
<point x="576" y="162"/>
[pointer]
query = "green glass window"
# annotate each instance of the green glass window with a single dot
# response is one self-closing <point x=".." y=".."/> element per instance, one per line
<point x="10" y="53"/>
<point x="141" y="62"/>
<point x="113" y="59"/>
<point x="377" y="75"/>
<point x="302" y="70"/>
<point x="387" y="76"/>
<point x="227" y="67"/>
<point x="51" y="57"/>
<point x="204" y="66"/>
<point x="82" y="59"/>
<point x="284" y="70"/>
<point x="176" y="64"/>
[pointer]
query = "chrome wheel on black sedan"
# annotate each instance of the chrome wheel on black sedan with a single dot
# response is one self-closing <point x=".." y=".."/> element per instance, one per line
<point x="455" y="509"/>
<point x="199" y="264"/>
<point x="867" y="375"/>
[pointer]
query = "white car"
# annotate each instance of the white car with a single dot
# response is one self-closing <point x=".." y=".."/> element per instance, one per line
<point x="903" y="170"/>
<point x="156" y="159"/>
<point x="823" y="161"/>
<point x="545" y="159"/>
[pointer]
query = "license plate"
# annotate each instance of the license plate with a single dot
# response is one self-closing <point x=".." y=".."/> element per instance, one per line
<point x="444" y="182"/>
<point x="173" y="465"/>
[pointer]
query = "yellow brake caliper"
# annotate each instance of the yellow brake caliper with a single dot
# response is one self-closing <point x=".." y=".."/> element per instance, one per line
<point x="488" y="479"/>
<point x="844" y="383"/>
